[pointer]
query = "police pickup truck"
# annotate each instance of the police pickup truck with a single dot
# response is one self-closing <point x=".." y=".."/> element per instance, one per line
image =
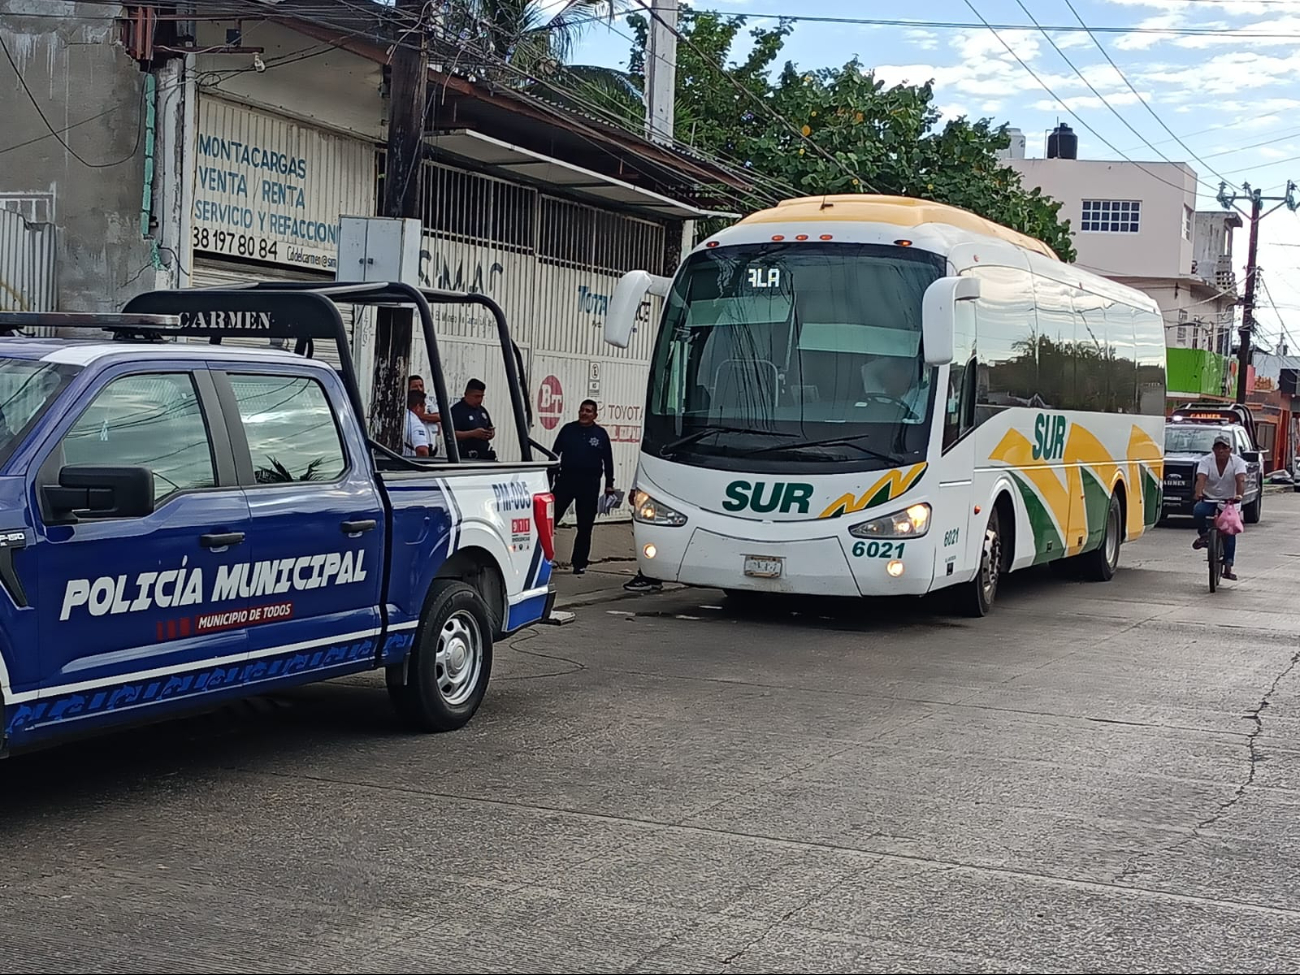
<point x="187" y="521"/>
<point x="1189" y="435"/>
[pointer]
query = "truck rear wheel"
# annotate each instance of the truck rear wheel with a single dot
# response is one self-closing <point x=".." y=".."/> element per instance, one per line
<point x="442" y="682"/>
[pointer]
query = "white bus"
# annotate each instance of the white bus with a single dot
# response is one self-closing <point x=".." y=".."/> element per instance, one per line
<point x="864" y="395"/>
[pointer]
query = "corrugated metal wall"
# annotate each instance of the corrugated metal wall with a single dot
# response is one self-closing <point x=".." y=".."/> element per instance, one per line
<point x="27" y="264"/>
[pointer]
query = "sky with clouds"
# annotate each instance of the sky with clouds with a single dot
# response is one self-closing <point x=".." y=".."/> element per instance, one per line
<point x="1229" y="88"/>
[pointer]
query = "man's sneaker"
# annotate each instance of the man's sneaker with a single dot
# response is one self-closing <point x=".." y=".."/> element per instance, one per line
<point x="1200" y="543"/>
<point x="579" y="570"/>
<point x="641" y="584"/>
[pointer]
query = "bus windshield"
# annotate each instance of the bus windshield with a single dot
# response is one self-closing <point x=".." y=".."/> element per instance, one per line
<point x="795" y="355"/>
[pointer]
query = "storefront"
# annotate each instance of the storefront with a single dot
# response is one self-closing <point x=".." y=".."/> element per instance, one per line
<point x="268" y="194"/>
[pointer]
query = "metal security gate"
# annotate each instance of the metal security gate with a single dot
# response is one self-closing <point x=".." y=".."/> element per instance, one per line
<point x="27" y="264"/>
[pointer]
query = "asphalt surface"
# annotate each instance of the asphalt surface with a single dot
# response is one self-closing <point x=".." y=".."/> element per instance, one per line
<point x="1099" y="777"/>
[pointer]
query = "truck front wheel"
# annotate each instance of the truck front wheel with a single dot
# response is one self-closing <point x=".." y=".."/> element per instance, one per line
<point x="443" y="682"/>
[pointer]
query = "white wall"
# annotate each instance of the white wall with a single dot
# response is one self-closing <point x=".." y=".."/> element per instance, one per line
<point x="1159" y="249"/>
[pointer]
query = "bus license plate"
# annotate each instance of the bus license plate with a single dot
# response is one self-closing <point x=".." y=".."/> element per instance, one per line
<point x="763" y="567"/>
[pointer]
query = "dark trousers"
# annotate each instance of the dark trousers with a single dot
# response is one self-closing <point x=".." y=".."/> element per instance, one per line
<point x="583" y="492"/>
<point x="1204" y="513"/>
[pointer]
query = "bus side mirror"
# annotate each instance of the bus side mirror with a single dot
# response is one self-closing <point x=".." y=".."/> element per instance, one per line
<point x="939" y="313"/>
<point x="630" y="291"/>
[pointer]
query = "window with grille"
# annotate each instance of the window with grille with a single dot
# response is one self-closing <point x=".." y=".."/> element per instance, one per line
<point x="1111" y="216"/>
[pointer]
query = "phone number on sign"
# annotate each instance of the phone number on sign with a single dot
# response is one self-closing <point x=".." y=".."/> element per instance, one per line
<point x="227" y="242"/>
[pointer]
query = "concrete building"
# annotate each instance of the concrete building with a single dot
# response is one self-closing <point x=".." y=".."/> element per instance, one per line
<point x="226" y="147"/>
<point x="1138" y="223"/>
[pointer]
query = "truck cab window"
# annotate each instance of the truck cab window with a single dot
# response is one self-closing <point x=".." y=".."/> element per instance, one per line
<point x="150" y="420"/>
<point x="290" y="428"/>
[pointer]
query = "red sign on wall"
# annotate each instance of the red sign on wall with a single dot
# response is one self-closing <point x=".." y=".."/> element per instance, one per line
<point x="550" y="402"/>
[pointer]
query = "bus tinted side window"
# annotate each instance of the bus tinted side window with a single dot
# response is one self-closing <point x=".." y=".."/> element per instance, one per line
<point x="1149" y="335"/>
<point x="959" y="409"/>
<point x="1007" y="328"/>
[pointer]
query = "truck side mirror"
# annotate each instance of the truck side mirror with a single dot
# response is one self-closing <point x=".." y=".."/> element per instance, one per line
<point x="630" y="291"/>
<point x="87" y="491"/>
<point x="1250" y="456"/>
<point x="939" y="313"/>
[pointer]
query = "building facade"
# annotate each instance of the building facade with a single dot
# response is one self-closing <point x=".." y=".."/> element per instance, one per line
<point x="226" y="149"/>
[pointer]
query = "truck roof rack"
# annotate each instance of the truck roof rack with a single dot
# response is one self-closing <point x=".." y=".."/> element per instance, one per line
<point x="306" y="311"/>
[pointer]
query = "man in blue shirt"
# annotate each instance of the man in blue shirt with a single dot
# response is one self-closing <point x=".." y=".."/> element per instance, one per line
<point x="473" y="424"/>
<point x="585" y="452"/>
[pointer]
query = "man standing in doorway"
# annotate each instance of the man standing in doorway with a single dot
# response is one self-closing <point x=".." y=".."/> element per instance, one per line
<point x="585" y="451"/>
<point x="473" y="424"/>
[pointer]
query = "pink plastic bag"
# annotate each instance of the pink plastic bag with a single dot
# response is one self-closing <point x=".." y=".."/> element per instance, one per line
<point x="1228" y="521"/>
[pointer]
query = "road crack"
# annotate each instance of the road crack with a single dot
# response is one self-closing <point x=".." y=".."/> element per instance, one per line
<point x="1256" y="716"/>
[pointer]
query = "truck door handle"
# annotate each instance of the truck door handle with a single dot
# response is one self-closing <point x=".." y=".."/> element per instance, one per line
<point x="357" y="527"/>
<point x="221" y="540"/>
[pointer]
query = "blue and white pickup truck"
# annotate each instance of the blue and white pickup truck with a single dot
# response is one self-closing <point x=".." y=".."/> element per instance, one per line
<point x="182" y="522"/>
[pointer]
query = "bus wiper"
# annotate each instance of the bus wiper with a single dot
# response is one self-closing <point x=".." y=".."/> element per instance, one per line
<point x="698" y="435"/>
<point x="894" y="459"/>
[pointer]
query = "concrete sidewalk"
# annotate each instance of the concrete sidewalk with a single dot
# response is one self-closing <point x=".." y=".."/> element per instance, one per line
<point x="612" y="564"/>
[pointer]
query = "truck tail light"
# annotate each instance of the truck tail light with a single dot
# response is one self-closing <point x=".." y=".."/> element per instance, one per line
<point x="544" y="515"/>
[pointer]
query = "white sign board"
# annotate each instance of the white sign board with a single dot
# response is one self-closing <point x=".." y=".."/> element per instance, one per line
<point x="269" y="189"/>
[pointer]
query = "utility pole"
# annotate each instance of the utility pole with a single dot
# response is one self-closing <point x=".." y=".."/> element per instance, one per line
<point x="408" y="81"/>
<point x="1257" y="201"/>
<point x="661" y="70"/>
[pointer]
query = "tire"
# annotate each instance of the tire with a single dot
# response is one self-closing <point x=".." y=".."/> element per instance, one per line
<point x="1100" y="564"/>
<point x="1252" y="512"/>
<point x="1213" y="560"/>
<point x="441" y="684"/>
<point x="975" y="598"/>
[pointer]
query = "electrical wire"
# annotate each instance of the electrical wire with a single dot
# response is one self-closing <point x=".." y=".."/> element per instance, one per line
<point x="139" y="132"/>
<point x="966" y="25"/>
<point x="1055" y="97"/>
<point x="1145" y="104"/>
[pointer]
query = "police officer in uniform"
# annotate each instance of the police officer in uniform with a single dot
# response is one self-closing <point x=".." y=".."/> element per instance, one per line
<point x="473" y="424"/>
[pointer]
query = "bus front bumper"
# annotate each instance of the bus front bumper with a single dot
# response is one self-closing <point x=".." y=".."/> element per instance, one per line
<point x="831" y="566"/>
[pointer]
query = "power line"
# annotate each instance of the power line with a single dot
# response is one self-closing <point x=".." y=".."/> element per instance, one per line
<point x="31" y="97"/>
<point x="1136" y="93"/>
<point x="966" y="25"/>
<point x="1091" y="87"/>
<point x="1042" y="84"/>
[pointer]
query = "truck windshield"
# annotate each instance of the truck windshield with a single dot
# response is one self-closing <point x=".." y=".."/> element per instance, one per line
<point x="797" y="355"/>
<point x="1191" y="439"/>
<point x="27" y="387"/>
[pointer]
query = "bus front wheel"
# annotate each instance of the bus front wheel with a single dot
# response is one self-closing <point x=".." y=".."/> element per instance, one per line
<point x="976" y="597"/>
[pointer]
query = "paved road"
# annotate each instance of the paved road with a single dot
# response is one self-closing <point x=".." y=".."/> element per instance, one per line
<point x="1097" y="778"/>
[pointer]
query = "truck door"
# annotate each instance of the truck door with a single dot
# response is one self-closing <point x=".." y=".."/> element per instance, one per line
<point x="317" y="523"/>
<point x="125" y="603"/>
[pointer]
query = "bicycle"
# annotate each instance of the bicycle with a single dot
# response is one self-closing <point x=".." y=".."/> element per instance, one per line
<point x="1214" y="548"/>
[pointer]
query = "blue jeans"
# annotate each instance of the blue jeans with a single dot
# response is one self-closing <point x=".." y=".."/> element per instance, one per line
<point x="1203" y="512"/>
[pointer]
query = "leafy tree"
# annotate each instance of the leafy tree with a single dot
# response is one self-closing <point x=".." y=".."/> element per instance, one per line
<point x="838" y="130"/>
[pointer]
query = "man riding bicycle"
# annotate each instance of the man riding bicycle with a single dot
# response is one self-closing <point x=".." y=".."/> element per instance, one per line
<point x="1220" y="477"/>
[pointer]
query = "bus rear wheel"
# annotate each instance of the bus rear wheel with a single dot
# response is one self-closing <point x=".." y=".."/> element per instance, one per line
<point x="1100" y="564"/>
<point x="976" y="597"/>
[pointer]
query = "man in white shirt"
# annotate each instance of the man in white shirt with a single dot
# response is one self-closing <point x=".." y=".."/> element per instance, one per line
<point x="415" y="442"/>
<point x="1220" y="476"/>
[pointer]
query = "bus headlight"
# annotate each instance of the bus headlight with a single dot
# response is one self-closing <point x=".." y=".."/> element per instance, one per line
<point x="648" y="511"/>
<point x="909" y="523"/>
